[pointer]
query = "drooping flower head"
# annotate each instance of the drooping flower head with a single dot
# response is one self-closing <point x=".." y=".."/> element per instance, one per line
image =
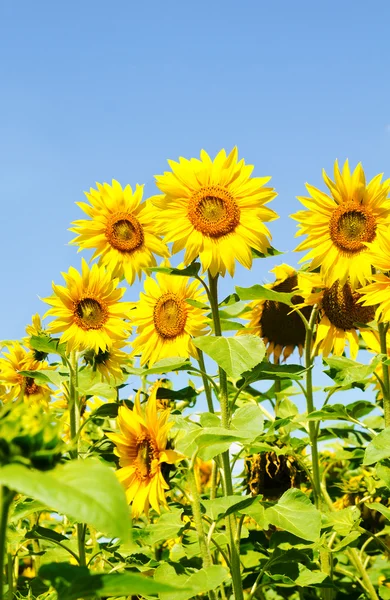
<point x="341" y="315"/>
<point x="18" y="359"/>
<point x="214" y="209"/>
<point x="142" y="449"/>
<point x="340" y="225"/>
<point x="281" y="329"/>
<point x="121" y="228"/>
<point x="88" y="310"/>
<point x="165" y="322"/>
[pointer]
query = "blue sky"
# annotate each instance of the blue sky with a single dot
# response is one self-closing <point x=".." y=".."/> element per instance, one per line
<point x="92" y="91"/>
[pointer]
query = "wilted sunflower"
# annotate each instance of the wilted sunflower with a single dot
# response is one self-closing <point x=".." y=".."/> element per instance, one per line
<point x="19" y="359"/>
<point x="87" y="310"/>
<point x="142" y="449"/>
<point x="340" y="225"/>
<point x="165" y="322"/>
<point x="121" y="229"/>
<point x="109" y="362"/>
<point x="340" y="314"/>
<point x="214" y="210"/>
<point x="281" y="329"/>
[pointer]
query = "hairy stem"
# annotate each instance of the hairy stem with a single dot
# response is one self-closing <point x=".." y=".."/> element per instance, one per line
<point x="206" y="383"/>
<point x="382" y="328"/>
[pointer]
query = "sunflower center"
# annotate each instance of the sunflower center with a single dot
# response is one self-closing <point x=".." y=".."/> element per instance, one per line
<point x="145" y="456"/>
<point x="124" y="232"/>
<point x="340" y="305"/>
<point x="30" y="387"/>
<point x="213" y="211"/>
<point x="351" y="225"/>
<point x="89" y="313"/>
<point x="170" y="315"/>
<point x="278" y="324"/>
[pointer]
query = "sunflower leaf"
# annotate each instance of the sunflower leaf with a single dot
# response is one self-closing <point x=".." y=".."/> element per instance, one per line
<point x="296" y="514"/>
<point x="269" y="252"/>
<point x="48" y="345"/>
<point x="190" y="586"/>
<point x="378" y="448"/>
<point x="260" y="292"/>
<point x="233" y="354"/>
<point x="191" y="271"/>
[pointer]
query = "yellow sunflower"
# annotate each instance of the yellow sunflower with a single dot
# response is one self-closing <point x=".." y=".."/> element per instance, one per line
<point x="340" y="225"/>
<point x="19" y="359"/>
<point x="87" y="310"/>
<point x="377" y="293"/>
<point x="281" y="329"/>
<point x="109" y="362"/>
<point x="214" y="210"/>
<point x="142" y="449"/>
<point x="121" y="228"/>
<point x="340" y="314"/>
<point x="165" y="322"/>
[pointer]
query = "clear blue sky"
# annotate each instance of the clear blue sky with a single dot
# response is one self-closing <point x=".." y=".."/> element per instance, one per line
<point x="95" y="90"/>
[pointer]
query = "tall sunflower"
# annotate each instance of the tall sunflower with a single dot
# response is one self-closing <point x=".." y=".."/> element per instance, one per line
<point x="87" y="310"/>
<point x="281" y="329"/>
<point x="142" y="449"/>
<point x="165" y="322"/>
<point x="377" y="293"/>
<point x="340" y="225"/>
<point x="340" y="314"/>
<point x="121" y="228"/>
<point x="214" y="209"/>
<point x="11" y="363"/>
<point x="109" y="362"/>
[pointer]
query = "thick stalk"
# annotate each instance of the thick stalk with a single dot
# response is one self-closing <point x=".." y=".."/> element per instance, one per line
<point x="5" y="502"/>
<point x="225" y="419"/>
<point x="382" y="328"/>
<point x="354" y="557"/>
<point x="206" y="383"/>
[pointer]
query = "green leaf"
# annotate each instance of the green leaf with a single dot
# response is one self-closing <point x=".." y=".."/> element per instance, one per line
<point x="25" y="508"/>
<point x="168" y="364"/>
<point x="383" y="472"/>
<point x="109" y="409"/>
<point x="221" y="507"/>
<point x="233" y="310"/>
<point x="72" y="582"/>
<point x="212" y="441"/>
<point x="339" y="411"/>
<point x="48" y="345"/>
<point x="38" y="531"/>
<point x="201" y="582"/>
<point x="295" y="513"/>
<point x="197" y="304"/>
<point x="229" y="325"/>
<point x="259" y="292"/>
<point x="267" y="371"/>
<point x="46" y="376"/>
<point x="380" y="508"/>
<point x="191" y="271"/>
<point x="346" y="372"/>
<point x="233" y="354"/>
<point x="343" y="521"/>
<point x="269" y="252"/>
<point x="249" y="419"/>
<point x="379" y="448"/>
<point x="166" y="528"/>
<point x="85" y="490"/>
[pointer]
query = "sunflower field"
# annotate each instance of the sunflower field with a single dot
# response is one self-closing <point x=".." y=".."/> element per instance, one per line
<point x="186" y="445"/>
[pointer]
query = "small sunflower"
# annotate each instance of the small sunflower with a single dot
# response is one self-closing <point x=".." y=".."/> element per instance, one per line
<point x="281" y="329"/>
<point x="340" y="314"/>
<point x="109" y="362"/>
<point x="19" y="359"/>
<point x="340" y="226"/>
<point x="214" y="210"/>
<point x="165" y="322"/>
<point x="35" y="329"/>
<point x="87" y="310"/>
<point x="121" y="228"/>
<point x="142" y="449"/>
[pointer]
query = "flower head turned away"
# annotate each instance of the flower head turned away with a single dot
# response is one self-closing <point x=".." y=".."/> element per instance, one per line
<point x="87" y="311"/>
<point x="340" y="226"/>
<point x="340" y="317"/>
<point x="17" y="359"/>
<point x="281" y="328"/>
<point x="109" y="362"/>
<point x="165" y="321"/>
<point x="142" y="447"/>
<point x="121" y="228"/>
<point x="214" y="209"/>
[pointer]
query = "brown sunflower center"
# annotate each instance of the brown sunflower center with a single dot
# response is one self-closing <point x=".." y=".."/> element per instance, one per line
<point x="30" y="386"/>
<point x="124" y="232"/>
<point x="278" y="324"/>
<point x="145" y="455"/>
<point x="351" y="225"/>
<point x="340" y="305"/>
<point x="170" y="315"/>
<point x="213" y="211"/>
<point x="90" y="313"/>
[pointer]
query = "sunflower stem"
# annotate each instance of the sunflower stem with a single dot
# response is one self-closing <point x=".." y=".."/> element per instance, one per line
<point x="382" y="328"/>
<point x="225" y="419"/>
<point x="6" y="497"/>
<point x="206" y="384"/>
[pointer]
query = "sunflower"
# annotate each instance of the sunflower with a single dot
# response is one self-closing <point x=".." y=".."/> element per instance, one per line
<point x="87" y="310"/>
<point x="340" y="314"/>
<point x="377" y="293"/>
<point x="121" y="228"/>
<point x="109" y="362"/>
<point x="165" y="322"/>
<point x="214" y="210"/>
<point x="142" y="449"/>
<point x="35" y="329"/>
<point x="340" y="225"/>
<point x="19" y="359"/>
<point x="281" y="329"/>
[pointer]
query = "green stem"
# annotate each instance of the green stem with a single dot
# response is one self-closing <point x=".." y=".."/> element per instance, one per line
<point x="10" y="576"/>
<point x="5" y="502"/>
<point x="354" y="557"/>
<point x="225" y="419"/>
<point x="206" y="384"/>
<point x="382" y="328"/>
